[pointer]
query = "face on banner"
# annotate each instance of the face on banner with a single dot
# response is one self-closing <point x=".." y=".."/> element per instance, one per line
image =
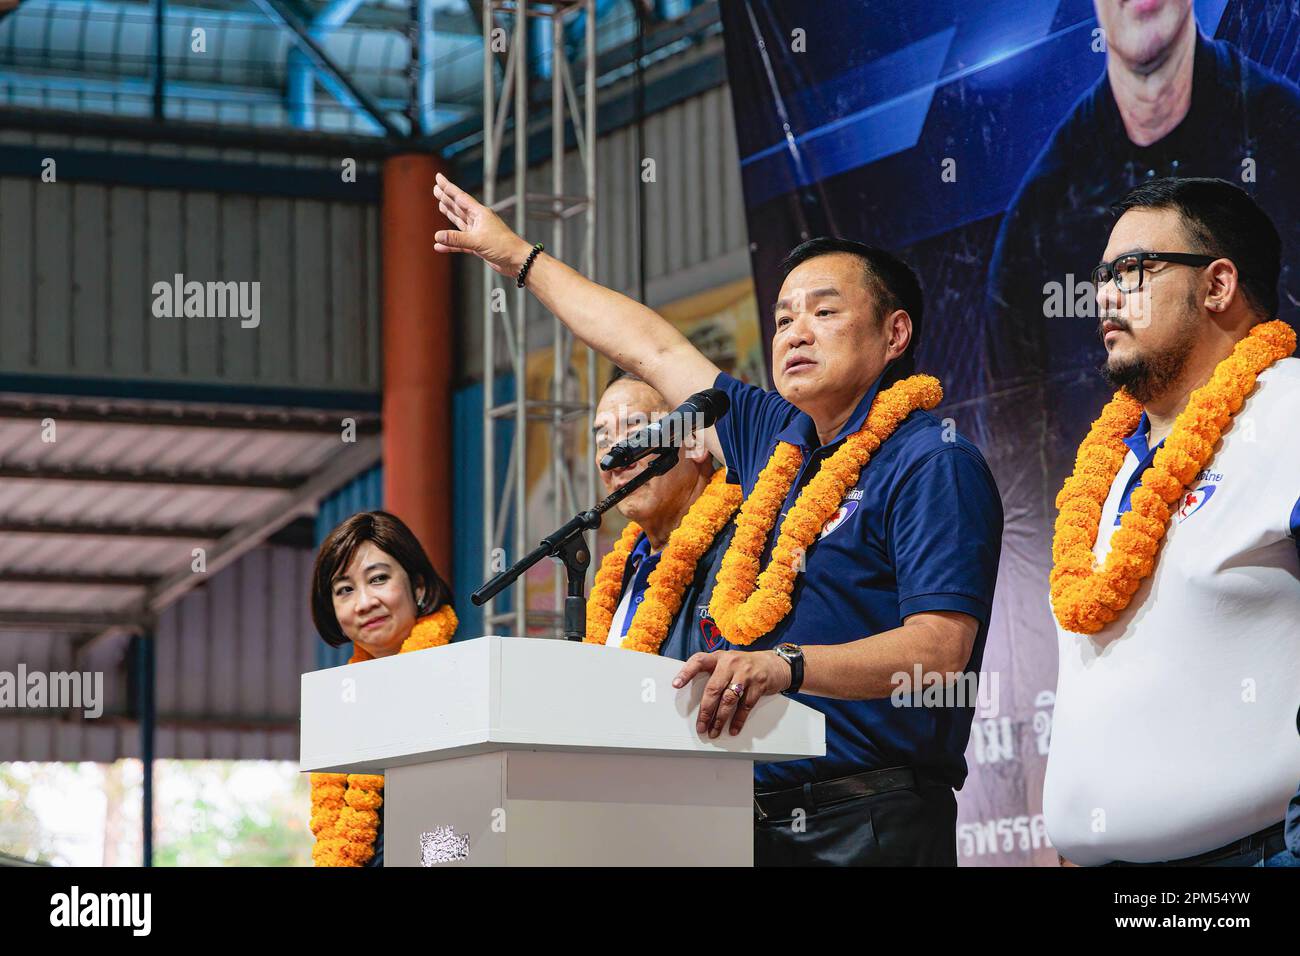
<point x="1145" y="32"/>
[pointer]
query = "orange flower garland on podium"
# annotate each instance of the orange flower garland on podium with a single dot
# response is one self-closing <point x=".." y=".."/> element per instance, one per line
<point x="345" y="806"/>
<point x="1086" y="598"/>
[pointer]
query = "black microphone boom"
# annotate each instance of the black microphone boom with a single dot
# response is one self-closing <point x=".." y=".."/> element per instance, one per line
<point x="699" y="411"/>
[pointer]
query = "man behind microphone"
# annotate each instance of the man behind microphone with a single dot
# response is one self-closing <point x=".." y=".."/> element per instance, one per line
<point x="877" y="529"/>
<point x="652" y="590"/>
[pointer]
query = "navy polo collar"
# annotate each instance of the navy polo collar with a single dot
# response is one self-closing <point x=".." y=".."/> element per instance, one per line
<point x="1137" y="442"/>
<point x="802" y="430"/>
<point x="642" y="549"/>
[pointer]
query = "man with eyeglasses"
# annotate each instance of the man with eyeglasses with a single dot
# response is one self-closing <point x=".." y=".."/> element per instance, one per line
<point x="1170" y="101"/>
<point x="1172" y="98"/>
<point x="1174" y="736"/>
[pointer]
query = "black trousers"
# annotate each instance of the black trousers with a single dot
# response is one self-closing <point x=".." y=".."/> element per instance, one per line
<point x="910" y="827"/>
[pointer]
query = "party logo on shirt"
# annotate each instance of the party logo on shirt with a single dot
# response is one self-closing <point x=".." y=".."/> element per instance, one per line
<point x="841" y="515"/>
<point x="709" y="631"/>
<point x="1194" y="501"/>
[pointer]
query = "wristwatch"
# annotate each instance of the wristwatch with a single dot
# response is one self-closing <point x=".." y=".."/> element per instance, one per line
<point x="792" y="654"/>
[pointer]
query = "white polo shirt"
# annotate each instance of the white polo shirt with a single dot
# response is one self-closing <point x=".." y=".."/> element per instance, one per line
<point x="1175" y="729"/>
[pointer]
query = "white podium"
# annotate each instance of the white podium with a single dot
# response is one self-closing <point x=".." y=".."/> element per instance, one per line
<point x="530" y="752"/>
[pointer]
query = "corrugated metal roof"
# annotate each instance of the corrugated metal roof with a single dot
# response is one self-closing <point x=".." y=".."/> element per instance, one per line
<point x="162" y="506"/>
<point x="152" y="448"/>
<point x="227" y="665"/>
<point x="105" y="505"/>
<point x="94" y="56"/>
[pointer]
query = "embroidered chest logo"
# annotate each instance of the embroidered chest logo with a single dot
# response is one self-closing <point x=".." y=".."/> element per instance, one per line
<point x="709" y="631"/>
<point x="841" y="515"/>
<point x="1194" y="501"/>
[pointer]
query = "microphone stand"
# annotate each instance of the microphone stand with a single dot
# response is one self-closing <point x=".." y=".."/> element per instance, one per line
<point x="567" y="544"/>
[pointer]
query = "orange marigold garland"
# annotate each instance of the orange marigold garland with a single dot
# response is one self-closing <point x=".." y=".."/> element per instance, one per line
<point x="746" y="604"/>
<point x="605" y="591"/>
<point x="1086" y="598"/>
<point x="345" y="806"/>
<point x="668" y="581"/>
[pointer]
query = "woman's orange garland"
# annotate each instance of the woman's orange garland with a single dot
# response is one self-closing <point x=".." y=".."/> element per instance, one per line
<point x="345" y="806"/>
<point x="667" y="582"/>
<point x="1086" y="598"/>
<point x="745" y="604"/>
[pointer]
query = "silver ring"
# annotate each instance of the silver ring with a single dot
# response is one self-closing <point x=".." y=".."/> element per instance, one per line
<point x="738" y="689"/>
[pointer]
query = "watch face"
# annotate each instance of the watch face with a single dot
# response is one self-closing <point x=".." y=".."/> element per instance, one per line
<point x="788" y="650"/>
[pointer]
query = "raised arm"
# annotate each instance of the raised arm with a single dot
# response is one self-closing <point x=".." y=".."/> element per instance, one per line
<point x="630" y="335"/>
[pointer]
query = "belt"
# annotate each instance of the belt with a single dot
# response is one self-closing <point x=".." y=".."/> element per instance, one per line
<point x="811" y="797"/>
<point x="1247" y="844"/>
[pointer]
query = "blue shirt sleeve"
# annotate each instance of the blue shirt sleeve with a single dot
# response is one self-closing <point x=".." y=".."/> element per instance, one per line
<point x="1291" y="832"/>
<point x="754" y="418"/>
<point x="1295" y="525"/>
<point x="945" y="534"/>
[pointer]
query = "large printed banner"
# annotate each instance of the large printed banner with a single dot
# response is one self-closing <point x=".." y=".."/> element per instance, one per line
<point x="984" y="142"/>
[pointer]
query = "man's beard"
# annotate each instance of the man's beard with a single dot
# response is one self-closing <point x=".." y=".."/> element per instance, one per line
<point x="1148" y="377"/>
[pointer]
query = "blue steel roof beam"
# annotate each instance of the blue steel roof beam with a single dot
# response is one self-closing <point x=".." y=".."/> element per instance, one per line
<point x="108" y="87"/>
<point x="159" y="62"/>
<point x="451" y="19"/>
<point x="332" y="78"/>
<point x="117" y="37"/>
<point x="424" y="45"/>
<point x="81" y="45"/>
<point x="299" y="84"/>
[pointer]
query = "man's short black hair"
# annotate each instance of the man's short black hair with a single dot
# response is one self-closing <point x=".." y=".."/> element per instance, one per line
<point x="623" y="375"/>
<point x="619" y="374"/>
<point x="1223" y="221"/>
<point x="889" y="278"/>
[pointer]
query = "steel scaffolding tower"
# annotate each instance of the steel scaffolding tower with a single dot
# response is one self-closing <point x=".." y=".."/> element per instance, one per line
<point x="561" y="408"/>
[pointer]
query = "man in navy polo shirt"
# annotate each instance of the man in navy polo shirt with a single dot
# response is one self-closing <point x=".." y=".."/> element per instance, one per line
<point x="658" y="507"/>
<point x="900" y="579"/>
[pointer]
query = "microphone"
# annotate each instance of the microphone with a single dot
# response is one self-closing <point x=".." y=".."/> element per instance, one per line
<point x="699" y="411"/>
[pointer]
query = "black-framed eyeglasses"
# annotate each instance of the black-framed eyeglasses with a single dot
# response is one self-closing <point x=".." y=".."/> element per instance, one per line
<point x="1128" y="270"/>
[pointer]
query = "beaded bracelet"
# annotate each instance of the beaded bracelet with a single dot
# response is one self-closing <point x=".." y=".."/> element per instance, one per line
<point x="528" y="264"/>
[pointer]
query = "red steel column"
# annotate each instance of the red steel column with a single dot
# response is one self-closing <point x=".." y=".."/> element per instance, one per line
<point x="417" y="343"/>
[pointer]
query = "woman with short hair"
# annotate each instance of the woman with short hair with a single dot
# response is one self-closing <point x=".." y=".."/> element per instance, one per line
<point x="372" y="585"/>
